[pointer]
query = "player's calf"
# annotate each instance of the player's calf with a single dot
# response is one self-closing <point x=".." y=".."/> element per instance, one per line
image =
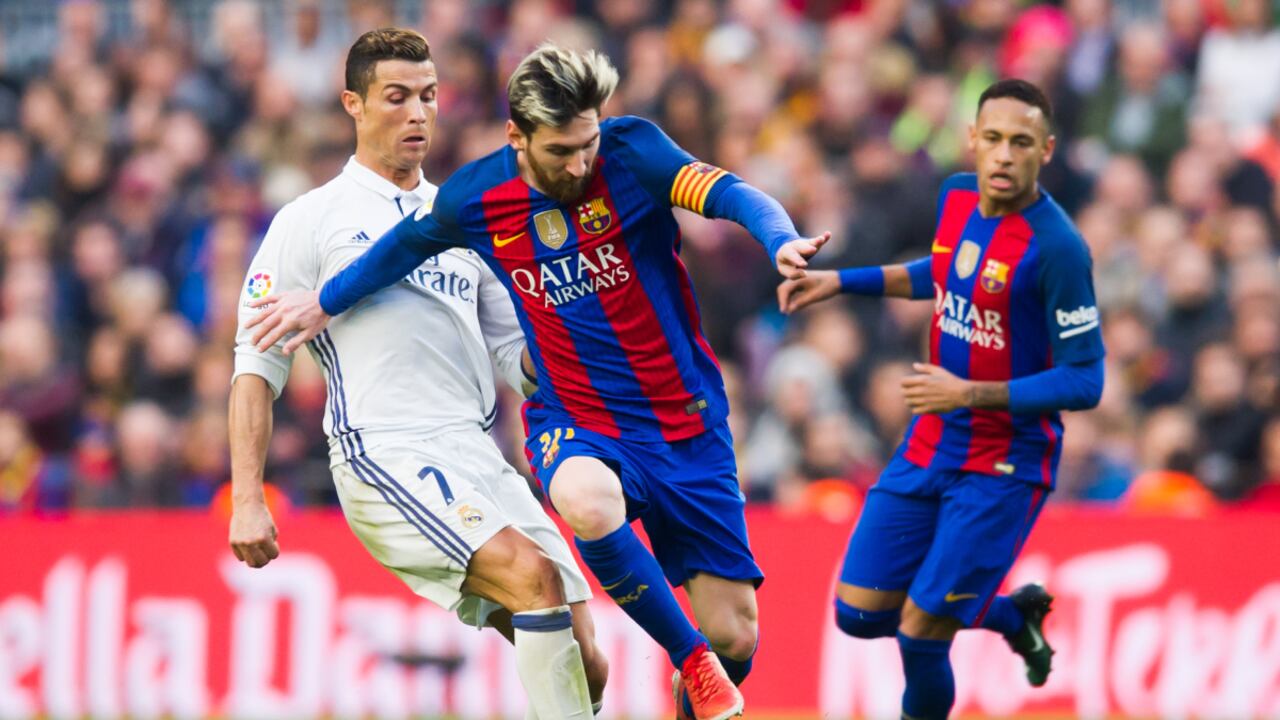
<point x="511" y="570"/>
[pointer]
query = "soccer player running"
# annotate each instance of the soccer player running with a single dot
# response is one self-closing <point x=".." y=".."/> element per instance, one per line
<point x="575" y="217"/>
<point x="411" y="397"/>
<point x="1014" y="340"/>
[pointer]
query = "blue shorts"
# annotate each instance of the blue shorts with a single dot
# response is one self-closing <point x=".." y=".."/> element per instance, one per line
<point x="685" y="493"/>
<point x="946" y="537"/>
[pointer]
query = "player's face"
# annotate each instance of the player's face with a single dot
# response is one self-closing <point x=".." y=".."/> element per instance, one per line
<point x="1010" y="143"/>
<point x="562" y="159"/>
<point x="397" y="116"/>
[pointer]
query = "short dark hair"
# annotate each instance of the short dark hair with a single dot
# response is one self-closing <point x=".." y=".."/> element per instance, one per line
<point x="1020" y="90"/>
<point x="378" y="45"/>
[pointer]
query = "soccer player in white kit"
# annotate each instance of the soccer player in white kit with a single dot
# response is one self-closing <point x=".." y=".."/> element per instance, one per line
<point x="411" y="397"/>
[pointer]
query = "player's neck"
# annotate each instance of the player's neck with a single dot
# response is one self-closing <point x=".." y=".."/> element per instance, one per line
<point x="526" y="173"/>
<point x="403" y="178"/>
<point x="990" y="207"/>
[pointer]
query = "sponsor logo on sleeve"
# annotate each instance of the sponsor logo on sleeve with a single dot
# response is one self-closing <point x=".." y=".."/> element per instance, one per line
<point x="257" y="286"/>
<point x="1074" y="322"/>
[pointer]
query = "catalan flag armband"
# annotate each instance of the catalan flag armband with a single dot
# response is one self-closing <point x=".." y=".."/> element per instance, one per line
<point x="693" y="184"/>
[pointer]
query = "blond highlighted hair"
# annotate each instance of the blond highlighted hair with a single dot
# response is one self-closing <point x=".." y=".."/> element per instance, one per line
<point x="553" y="85"/>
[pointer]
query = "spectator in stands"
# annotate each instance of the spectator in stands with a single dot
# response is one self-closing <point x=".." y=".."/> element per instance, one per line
<point x="1141" y="109"/>
<point x="31" y="480"/>
<point x="1223" y="86"/>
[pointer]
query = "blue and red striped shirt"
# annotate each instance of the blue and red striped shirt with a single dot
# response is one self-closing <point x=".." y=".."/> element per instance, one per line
<point x="1013" y="295"/>
<point x="599" y="287"/>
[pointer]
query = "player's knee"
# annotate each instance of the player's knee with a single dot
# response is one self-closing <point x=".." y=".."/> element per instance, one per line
<point x="534" y="580"/>
<point x="866" y="624"/>
<point x="917" y="623"/>
<point x="593" y="516"/>
<point x="588" y="495"/>
<point x="736" y="638"/>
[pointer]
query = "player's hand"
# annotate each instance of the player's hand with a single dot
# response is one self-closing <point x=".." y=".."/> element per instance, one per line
<point x="296" y="311"/>
<point x="793" y="257"/>
<point x="934" y="390"/>
<point x="253" y="534"/>
<point x="815" y="286"/>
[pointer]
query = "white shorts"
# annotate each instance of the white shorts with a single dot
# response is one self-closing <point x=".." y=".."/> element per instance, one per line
<point x="421" y="509"/>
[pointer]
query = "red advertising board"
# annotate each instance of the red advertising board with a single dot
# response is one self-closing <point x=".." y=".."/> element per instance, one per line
<point x="149" y="614"/>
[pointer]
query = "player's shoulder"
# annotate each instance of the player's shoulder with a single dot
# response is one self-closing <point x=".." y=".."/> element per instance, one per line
<point x="471" y="181"/>
<point x="959" y="181"/>
<point x="631" y="133"/>
<point x="1052" y="228"/>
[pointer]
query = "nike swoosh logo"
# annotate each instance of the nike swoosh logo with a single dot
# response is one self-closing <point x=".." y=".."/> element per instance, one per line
<point x="956" y="597"/>
<point x="503" y="242"/>
<point x="1039" y="641"/>
<point x="607" y="588"/>
<point x="939" y="248"/>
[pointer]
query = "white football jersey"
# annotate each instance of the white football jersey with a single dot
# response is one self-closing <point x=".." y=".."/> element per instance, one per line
<point x="411" y="360"/>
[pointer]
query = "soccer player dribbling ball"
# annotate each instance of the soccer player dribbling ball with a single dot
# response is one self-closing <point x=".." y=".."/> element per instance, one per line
<point x="575" y="217"/>
<point x="1014" y="339"/>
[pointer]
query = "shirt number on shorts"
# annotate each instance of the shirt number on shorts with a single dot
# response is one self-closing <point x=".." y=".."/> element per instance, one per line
<point x="551" y="444"/>
<point x="444" y="484"/>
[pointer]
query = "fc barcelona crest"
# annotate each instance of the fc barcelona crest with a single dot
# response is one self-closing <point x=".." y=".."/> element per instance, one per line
<point x="967" y="258"/>
<point x="551" y="228"/>
<point x="994" y="276"/>
<point x="594" y="217"/>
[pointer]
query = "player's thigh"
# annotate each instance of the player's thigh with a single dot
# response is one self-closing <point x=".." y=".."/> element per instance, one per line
<point x="418" y="516"/>
<point x="512" y="495"/>
<point x="695" y="516"/>
<point x="982" y="524"/>
<point x="891" y="539"/>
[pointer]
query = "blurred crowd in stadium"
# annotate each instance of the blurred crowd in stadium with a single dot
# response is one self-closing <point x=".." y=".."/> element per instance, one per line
<point x="145" y="146"/>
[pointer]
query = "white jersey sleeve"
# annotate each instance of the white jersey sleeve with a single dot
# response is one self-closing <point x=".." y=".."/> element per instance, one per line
<point x="501" y="329"/>
<point x="286" y="260"/>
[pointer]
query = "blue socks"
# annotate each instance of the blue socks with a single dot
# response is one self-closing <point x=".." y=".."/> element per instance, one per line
<point x="629" y="573"/>
<point x="737" y="670"/>
<point x="931" y="686"/>
<point x="1003" y="616"/>
<point x="866" y="624"/>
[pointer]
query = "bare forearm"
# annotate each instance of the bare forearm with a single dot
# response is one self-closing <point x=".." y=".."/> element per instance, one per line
<point x="249" y="420"/>
<point x="897" y="281"/>
<point x="988" y="395"/>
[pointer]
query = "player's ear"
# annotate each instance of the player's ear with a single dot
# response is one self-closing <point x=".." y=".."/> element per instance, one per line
<point x="516" y="137"/>
<point x="973" y="137"/>
<point x="353" y="104"/>
<point x="1050" y="143"/>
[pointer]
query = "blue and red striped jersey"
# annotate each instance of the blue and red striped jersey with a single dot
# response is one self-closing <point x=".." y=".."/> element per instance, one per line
<point x="598" y="286"/>
<point x="1013" y="295"/>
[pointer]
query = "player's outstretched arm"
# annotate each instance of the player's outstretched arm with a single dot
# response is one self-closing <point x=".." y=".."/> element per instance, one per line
<point x="911" y="280"/>
<point x="253" y="531"/>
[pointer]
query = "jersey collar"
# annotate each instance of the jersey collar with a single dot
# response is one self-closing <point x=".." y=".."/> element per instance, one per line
<point x="384" y="187"/>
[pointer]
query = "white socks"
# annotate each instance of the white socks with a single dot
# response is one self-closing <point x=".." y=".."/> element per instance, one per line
<point x="550" y="664"/>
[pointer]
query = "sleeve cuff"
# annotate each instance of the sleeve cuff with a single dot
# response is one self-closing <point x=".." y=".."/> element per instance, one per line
<point x="250" y="362"/>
